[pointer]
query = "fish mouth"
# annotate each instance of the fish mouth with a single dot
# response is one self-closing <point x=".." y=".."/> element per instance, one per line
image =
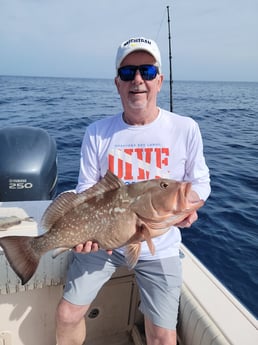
<point x="181" y="205"/>
<point x="185" y="202"/>
<point x="191" y="205"/>
<point x="195" y="205"/>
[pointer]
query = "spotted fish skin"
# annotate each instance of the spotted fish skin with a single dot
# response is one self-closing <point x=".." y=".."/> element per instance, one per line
<point x="110" y="213"/>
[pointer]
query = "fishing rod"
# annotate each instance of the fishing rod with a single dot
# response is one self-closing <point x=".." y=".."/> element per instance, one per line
<point x="170" y="63"/>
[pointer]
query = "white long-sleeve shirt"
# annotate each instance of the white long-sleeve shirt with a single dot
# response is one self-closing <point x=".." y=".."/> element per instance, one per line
<point x="169" y="147"/>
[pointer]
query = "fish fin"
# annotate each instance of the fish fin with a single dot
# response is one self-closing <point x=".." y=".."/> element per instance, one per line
<point x="67" y="201"/>
<point x="147" y="236"/>
<point x="58" y="208"/>
<point x="109" y="182"/>
<point x="59" y="251"/>
<point x="133" y="250"/>
<point x="20" y="255"/>
<point x="144" y="233"/>
<point x="132" y="253"/>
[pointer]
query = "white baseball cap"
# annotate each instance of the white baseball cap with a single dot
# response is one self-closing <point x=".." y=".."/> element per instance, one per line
<point x="134" y="44"/>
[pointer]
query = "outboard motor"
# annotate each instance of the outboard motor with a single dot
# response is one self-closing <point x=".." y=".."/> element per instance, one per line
<point x="28" y="164"/>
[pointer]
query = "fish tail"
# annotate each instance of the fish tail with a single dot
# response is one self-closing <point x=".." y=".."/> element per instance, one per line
<point x="20" y="255"/>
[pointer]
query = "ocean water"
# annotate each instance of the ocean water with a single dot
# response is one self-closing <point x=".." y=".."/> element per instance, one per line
<point x="225" y="238"/>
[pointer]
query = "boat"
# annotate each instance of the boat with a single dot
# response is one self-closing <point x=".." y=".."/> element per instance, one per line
<point x="208" y="314"/>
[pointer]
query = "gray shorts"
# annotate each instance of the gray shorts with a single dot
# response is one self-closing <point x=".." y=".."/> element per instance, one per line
<point x="159" y="283"/>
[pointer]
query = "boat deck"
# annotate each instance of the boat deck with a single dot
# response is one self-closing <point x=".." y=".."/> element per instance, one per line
<point x="134" y="337"/>
<point x="123" y="338"/>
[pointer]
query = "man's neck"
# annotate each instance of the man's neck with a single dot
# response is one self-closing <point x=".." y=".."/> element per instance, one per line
<point x="140" y="117"/>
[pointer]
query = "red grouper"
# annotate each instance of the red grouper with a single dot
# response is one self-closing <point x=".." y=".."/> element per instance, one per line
<point x="110" y="213"/>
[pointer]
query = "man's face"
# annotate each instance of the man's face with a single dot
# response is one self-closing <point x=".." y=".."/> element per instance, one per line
<point x="139" y="94"/>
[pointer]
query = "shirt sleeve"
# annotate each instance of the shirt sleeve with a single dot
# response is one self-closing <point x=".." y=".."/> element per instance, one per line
<point x="196" y="170"/>
<point x="89" y="173"/>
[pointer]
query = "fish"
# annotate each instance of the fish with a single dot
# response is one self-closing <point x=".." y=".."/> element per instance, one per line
<point x="111" y="213"/>
<point x="8" y="222"/>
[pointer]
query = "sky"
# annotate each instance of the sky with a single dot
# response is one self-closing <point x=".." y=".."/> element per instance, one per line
<point x="211" y="40"/>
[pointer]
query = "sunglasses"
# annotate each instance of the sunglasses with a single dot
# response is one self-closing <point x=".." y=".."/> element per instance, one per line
<point x="148" y="72"/>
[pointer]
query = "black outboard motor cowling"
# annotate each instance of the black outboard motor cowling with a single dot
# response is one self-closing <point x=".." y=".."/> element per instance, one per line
<point x="28" y="164"/>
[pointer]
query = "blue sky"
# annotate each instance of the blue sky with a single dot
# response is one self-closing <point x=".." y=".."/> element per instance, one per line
<point x="211" y="40"/>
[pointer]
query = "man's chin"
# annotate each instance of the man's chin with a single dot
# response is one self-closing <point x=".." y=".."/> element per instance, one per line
<point x="138" y="105"/>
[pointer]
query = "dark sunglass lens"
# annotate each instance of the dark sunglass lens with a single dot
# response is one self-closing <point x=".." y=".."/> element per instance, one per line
<point x="127" y="73"/>
<point x="148" y="72"/>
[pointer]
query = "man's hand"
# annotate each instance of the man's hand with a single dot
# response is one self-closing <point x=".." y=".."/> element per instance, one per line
<point x="88" y="247"/>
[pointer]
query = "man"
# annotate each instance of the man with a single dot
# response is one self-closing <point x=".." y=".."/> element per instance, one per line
<point x="142" y="142"/>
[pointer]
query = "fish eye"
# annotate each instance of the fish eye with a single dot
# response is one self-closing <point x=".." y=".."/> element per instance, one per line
<point x="163" y="185"/>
